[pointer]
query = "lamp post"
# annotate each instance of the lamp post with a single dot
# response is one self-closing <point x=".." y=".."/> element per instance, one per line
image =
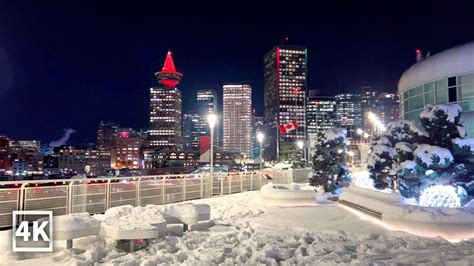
<point x="359" y="132"/>
<point x="212" y="119"/>
<point x="300" y="145"/>
<point x="260" y="137"/>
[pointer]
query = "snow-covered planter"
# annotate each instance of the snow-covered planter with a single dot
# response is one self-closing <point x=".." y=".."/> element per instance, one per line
<point x="287" y="194"/>
<point x="398" y="214"/>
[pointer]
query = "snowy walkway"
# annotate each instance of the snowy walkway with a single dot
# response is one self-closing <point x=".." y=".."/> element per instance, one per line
<point x="248" y="232"/>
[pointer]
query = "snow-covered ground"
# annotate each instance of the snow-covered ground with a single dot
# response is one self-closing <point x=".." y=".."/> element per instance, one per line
<point x="246" y="231"/>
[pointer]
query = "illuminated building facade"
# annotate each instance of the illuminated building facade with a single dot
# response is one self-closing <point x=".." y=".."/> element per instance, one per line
<point x="285" y="74"/>
<point x="83" y="161"/>
<point x="106" y="134"/>
<point x="349" y="112"/>
<point x="128" y="148"/>
<point x="237" y="106"/>
<point x="5" y="156"/>
<point x="207" y="103"/>
<point x="191" y="132"/>
<point x="320" y="114"/>
<point x="165" y="109"/>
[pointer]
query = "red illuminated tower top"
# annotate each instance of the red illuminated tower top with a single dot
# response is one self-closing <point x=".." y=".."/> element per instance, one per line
<point x="168" y="76"/>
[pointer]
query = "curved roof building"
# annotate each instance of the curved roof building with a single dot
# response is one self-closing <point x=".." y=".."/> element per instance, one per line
<point x="446" y="77"/>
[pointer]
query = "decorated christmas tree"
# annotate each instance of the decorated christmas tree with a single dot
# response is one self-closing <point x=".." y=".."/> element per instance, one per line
<point x="329" y="161"/>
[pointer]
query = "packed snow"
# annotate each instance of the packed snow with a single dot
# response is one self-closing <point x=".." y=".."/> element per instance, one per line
<point x="74" y="222"/>
<point x="246" y="231"/>
<point x="127" y="217"/>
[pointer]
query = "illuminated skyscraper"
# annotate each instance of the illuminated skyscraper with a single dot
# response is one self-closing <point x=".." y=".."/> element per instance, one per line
<point x="237" y="107"/>
<point x="349" y="112"/>
<point x="165" y="109"/>
<point x="285" y="68"/>
<point x="207" y="103"/>
<point x="320" y="114"/>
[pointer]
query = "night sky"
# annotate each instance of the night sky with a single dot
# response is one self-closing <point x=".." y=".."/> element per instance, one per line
<point x="70" y="64"/>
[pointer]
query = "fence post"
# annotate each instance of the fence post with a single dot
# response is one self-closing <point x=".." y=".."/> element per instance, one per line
<point x="139" y="194"/>
<point x="163" y="190"/>
<point x="241" y="175"/>
<point x="230" y="184"/>
<point x="202" y="186"/>
<point x="70" y="198"/>
<point x="222" y="186"/>
<point x="107" y="194"/>
<point x="251" y="181"/>
<point x="184" y="187"/>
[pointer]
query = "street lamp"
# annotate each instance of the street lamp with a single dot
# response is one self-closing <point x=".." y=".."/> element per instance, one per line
<point x="359" y="132"/>
<point x="260" y="137"/>
<point x="212" y="119"/>
<point x="300" y="145"/>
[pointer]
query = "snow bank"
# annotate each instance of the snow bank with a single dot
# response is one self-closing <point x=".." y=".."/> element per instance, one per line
<point x="427" y="154"/>
<point x="451" y="110"/>
<point x="74" y="222"/>
<point x="128" y="217"/>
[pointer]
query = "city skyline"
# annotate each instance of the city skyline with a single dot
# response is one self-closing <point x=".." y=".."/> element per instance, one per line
<point x="125" y="53"/>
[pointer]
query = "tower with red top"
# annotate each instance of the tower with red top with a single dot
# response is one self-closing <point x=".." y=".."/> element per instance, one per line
<point x="165" y="109"/>
<point x="168" y="76"/>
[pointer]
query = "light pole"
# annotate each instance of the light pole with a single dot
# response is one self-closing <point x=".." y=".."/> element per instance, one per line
<point x="359" y="132"/>
<point x="260" y="137"/>
<point x="212" y="119"/>
<point x="300" y="144"/>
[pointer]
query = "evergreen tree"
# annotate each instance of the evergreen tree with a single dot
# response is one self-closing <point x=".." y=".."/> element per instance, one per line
<point x="434" y="153"/>
<point x="329" y="160"/>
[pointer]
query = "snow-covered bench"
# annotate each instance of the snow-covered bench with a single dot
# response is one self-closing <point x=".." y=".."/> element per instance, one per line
<point x="287" y="194"/>
<point x="76" y="225"/>
<point x="132" y="223"/>
<point x="187" y="214"/>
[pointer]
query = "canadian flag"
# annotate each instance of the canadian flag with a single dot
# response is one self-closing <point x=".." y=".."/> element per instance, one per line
<point x="285" y="128"/>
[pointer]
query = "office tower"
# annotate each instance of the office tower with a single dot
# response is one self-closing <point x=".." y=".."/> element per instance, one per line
<point x="106" y="134"/>
<point x="165" y="109"/>
<point x="5" y="156"/>
<point x="128" y="148"/>
<point x="257" y="126"/>
<point x="191" y="132"/>
<point x="320" y="114"/>
<point x="285" y="68"/>
<point x="207" y="103"/>
<point x="237" y="105"/>
<point x="387" y="107"/>
<point x="349" y="112"/>
<point x="368" y="102"/>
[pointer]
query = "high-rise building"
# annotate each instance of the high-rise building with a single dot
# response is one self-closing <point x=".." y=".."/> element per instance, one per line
<point x="191" y="132"/>
<point x="387" y="107"/>
<point x="257" y="126"/>
<point x="106" y="134"/>
<point x="285" y="74"/>
<point x="320" y="114"/>
<point x="128" y="149"/>
<point x="368" y="102"/>
<point x="207" y="103"/>
<point x="165" y="109"/>
<point x="349" y="112"/>
<point x="237" y="105"/>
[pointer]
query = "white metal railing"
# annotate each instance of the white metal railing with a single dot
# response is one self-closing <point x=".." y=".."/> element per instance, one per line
<point x="98" y="194"/>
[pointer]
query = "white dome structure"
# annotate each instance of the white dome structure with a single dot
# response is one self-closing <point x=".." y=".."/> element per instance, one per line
<point x="446" y="77"/>
<point x="451" y="62"/>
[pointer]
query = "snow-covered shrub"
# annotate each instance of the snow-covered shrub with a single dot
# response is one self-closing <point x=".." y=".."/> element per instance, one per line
<point x="329" y="160"/>
<point x="431" y="153"/>
<point x="379" y="163"/>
